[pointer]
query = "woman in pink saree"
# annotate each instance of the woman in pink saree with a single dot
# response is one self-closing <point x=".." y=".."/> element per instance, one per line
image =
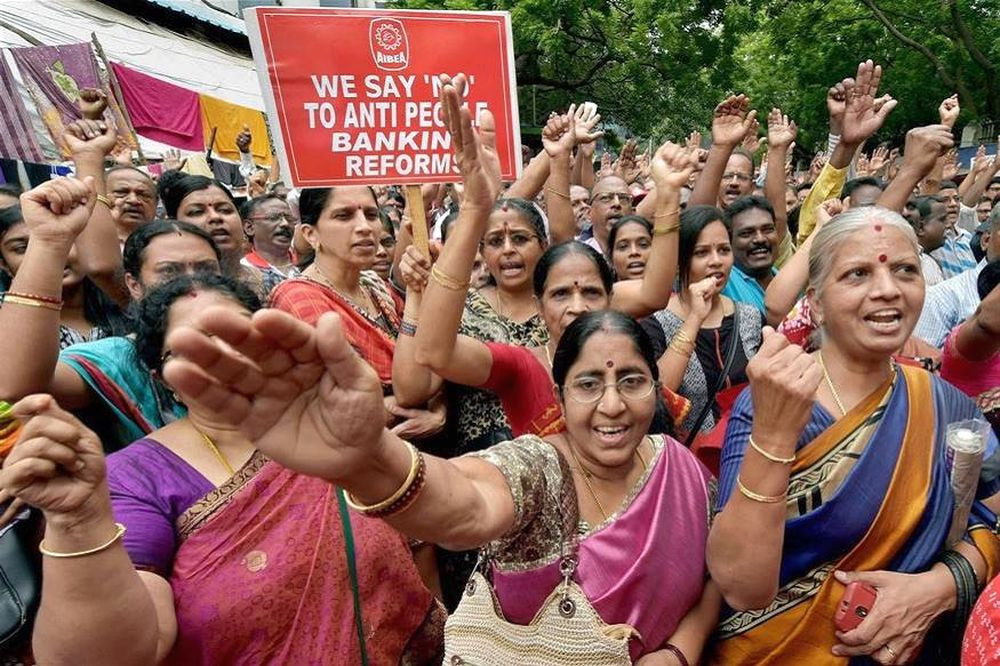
<point x="223" y="556"/>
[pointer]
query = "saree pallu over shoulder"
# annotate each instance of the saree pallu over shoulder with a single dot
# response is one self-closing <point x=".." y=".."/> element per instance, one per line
<point x="905" y="476"/>
<point x="261" y="577"/>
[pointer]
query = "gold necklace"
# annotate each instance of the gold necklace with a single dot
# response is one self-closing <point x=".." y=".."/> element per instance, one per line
<point x="215" y="449"/>
<point x="548" y="355"/>
<point x="833" y="390"/>
<point x="368" y="306"/>
<point x="586" y="475"/>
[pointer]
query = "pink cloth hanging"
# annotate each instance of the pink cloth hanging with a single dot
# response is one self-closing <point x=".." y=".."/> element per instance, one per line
<point x="161" y="111"/>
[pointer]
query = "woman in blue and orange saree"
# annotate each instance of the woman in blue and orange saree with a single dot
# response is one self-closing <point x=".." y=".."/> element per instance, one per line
<point x="835" y="472"/>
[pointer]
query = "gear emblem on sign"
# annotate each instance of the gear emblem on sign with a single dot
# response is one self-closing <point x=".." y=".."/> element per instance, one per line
<point x="388" y="37"/>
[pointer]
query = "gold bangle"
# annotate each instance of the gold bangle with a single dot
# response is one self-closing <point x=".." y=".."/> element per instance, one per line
<point x="681" y="348"/>
<point x="31" y="302"/>
<point x="669" y="229"/>
<point x="119" y="533"/>
<point x="369" y="509"/>
<point x="763" y="499"/>
<point x="770" y="456"/>
<point x="557" y="193"/>
<point x="683" y="336"/>
<point x="447" y="281"/>
<point x="669" y="213"/>
<point x="106" y="201"/>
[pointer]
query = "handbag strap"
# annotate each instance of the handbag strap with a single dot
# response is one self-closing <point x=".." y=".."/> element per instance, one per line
<point x="730" y="355"/>
<point x="352" y="570"/>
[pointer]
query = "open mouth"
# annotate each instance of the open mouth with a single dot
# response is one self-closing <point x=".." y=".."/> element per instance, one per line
<point x="611" y="435"/>
<point x="885" y="321"/>
<point x="762" y="252"/>
<point x="511" y="268"/>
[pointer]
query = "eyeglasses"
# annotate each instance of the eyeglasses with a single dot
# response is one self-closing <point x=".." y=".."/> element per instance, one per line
<point x="274" y="218"/>
<point x="518" y="240"/>
<point x="608" y="197"/>
<point x="588" y="390"/>
<point x="742" y="177"/>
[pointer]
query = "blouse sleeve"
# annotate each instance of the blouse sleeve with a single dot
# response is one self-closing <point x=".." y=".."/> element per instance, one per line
<point x="508" y="361"/>
<point x="149" y="540"/>
<point x="543" y="504"/>
<point x="300" y="300"/>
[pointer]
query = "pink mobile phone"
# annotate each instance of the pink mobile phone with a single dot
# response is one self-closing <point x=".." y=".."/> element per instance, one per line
<point x="855" y="606"/>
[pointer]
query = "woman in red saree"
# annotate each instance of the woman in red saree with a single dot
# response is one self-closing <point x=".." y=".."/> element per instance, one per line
<point x="223" y="557"/>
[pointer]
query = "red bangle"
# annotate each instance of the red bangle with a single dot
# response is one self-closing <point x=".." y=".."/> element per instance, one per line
<point x="36" y="297"/>
<point x="676" y="651"/>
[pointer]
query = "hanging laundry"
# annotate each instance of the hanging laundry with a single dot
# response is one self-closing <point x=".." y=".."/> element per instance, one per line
<point x="160" y="110"/>
<point x="54" y="76"/>
<point x="17" y="138"/>
<point x="229" y="119"/>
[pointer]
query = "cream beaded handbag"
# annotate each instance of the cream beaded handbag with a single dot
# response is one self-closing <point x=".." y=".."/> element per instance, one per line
<point x="565" y="631"/>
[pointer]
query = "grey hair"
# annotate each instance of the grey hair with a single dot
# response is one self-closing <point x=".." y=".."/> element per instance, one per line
<point x="835" y="232"/>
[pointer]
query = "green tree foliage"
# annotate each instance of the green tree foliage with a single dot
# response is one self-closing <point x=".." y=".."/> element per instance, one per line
<point x="658" y="67"/>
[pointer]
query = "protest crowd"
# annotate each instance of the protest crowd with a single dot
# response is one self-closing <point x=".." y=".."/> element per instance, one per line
<point x="688" y="405"/>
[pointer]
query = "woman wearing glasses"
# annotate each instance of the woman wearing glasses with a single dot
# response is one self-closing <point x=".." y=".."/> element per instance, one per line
<point x="603" y="488"/>
<point x="269" y="224"/>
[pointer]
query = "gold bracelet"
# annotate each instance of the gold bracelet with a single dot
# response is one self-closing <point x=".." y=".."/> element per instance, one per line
<point x="763" y="499"/>
<point x="681" y="348"/>
<point x="770" y="456"/>
<point x="669" y="229"/>
<point x="447" y="281"/>
<point x="393" y="498"/>
<point x="683" y="336"/>
<point x="119" y="533"/>
<point x="669" y="213"/>
<point x="557" y="193"/>
<point x="31" y="302"/>
<point x="106" y="201"/>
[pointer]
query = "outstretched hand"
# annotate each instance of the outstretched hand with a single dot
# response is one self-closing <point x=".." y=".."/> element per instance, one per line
<point x="587" y="119"/>
<point x="476" y="153"/>
<point x="300" y="393"/>
<point x="863" y="114"/>
<point x="781" y="131"/>
<point x="732" y="121"/>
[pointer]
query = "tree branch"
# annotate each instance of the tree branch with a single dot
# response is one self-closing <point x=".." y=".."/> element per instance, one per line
<point x="989" y="69"/>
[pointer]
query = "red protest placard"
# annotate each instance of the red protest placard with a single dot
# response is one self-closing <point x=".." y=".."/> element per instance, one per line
<point x="352" y="94"/>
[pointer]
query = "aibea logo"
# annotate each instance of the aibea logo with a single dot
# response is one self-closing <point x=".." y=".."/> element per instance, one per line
<point x="389" y="46"/>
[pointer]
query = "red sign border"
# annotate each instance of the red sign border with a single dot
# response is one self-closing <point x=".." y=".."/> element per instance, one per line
<point x="256" y="17"/>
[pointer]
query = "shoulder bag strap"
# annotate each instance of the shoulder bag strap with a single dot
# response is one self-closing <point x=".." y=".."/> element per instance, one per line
<point x="352" y="570"/>
<point x="734" y="339"/>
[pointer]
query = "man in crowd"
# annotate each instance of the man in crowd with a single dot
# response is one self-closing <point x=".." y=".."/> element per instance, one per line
<point x="579" y="198"/>
<point x="955" y="255"/>
<point x="948" y="304"/>
<point x="929" y="225"/>
<point x="863" y="191"/>
<point x="133" y="198"/>
<point x="755" y="241"/>
<point x="610" y="201"/>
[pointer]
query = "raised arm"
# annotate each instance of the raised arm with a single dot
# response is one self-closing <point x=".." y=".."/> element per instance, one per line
<point x="781" y="133"/>
<point x="983" y="171"/>
<point x="533" y="178"/>
<point x="730" y="125"/>
<point x="90" y="141"/>
<point x="95" y="609"/>
<point x="923" y="147"/>
<point x="978" y="339"/>
<point x="412" y="384"/>
<point x="587" y="119"/>
<point x="783" y="383"/>
<point x="558" y="139"/>
<point x="671" y="167"/>
<point x="438" y="345"/>
<point x="55" y="212"/>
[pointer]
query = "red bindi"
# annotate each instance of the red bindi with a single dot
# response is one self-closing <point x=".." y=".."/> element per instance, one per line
<point x="610" y="364"/>
<point x="883" y="258"/>
<point x="878" y="227"/>
<point x="503" y="207"/>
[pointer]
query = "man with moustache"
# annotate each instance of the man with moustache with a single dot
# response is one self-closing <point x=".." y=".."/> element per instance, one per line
<point x="579" y="199"/>
<point x="269" y="224"/>
<point x="956" y="255"/>
<point x="132" y="194"/>
<point x="755" y="241"/>
<point x="609" y="201"/>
